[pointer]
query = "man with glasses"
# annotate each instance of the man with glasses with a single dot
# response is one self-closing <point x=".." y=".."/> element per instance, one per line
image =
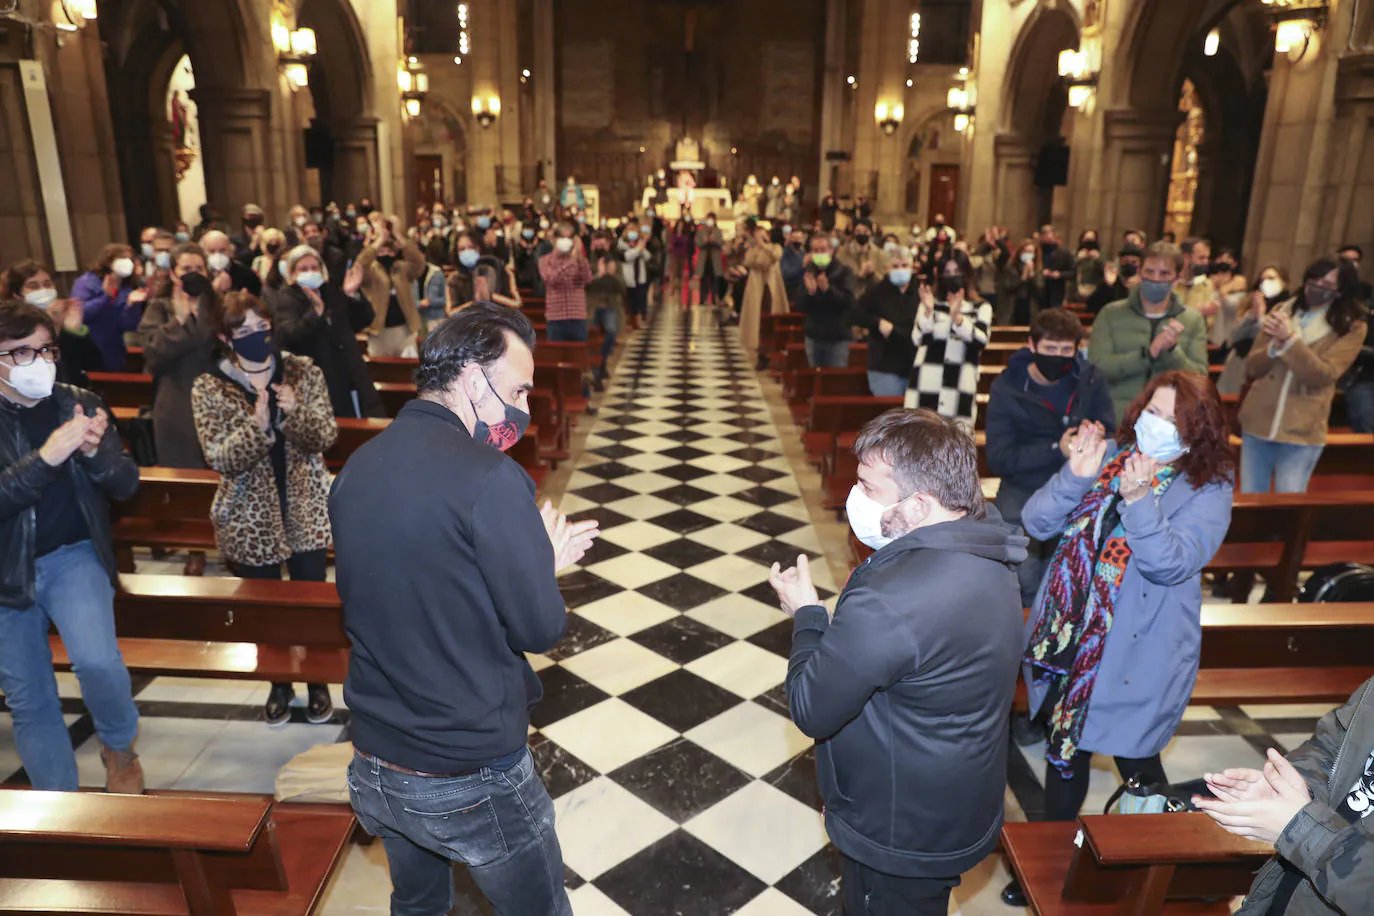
<point x="61" y="460"/>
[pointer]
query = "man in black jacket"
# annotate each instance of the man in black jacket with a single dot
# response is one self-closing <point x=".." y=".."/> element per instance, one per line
<point x="908" y="687"/>
<point x="1059" y="268"/>
<point x="888" y="311"/>
<point x="1046" y="393"/>
<point x="446" y="567"/>
<point x="826" y="299"/>
<point x="60" y="461"/>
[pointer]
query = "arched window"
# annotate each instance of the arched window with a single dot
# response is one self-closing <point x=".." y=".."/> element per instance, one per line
<point x="1178" y="211"/>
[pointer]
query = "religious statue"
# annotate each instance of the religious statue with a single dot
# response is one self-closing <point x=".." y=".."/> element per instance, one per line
<point x="771" y="196"/>
<point x="687" y="151"/>
<point x="749" y="196"/>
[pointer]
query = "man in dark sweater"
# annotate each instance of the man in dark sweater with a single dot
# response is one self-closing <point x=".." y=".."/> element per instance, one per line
<point x="826" y="298"/>
<point x="1036" y="406"/>
<point x="446" y="567"/>
<point x="908" y="687"/>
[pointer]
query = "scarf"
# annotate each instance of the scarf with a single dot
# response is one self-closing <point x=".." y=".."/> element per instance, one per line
<point x="1078" y="605"/>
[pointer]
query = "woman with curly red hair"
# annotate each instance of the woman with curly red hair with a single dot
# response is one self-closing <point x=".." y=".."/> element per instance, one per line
<point x="1113" y="643"/>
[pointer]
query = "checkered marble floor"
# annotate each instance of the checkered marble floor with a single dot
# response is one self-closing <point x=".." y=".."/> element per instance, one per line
<point x="681" y="786"/>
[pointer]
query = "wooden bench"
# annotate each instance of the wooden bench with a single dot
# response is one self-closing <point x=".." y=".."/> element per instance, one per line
<point x="1137" y="865"/>
<point x="167" y="854"/>
<point x="243" y="629"/>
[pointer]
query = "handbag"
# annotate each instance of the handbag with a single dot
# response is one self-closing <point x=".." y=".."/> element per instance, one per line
<point x="1135" y="797"/>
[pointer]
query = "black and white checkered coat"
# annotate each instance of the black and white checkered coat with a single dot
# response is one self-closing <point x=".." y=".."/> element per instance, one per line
<point x="944" y="377"/>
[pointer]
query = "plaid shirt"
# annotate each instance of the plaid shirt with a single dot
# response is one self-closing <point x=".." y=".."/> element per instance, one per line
<point x="565" y="282"/>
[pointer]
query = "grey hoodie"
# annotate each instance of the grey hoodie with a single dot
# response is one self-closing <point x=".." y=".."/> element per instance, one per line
<point x="907" y="692"/>
<point x="1335" y="856"/>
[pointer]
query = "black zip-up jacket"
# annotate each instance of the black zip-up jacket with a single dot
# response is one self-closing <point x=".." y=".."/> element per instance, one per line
<point x="446" y="575"/>
<point x="894" y="353"/>
<point x="907" y="692"/>
<point x="331" y="341"/>
<point x="108" y="474"/>
<point x="827" y="311"/>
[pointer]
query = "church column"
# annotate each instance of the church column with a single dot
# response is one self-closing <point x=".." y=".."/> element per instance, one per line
<point x="832" y="94"/>
<point x="510" y="182"/>
<point x="1299" y="172"/>
<point x="355" y="160"/>
<point x="1012" y="167"/>
<point x="1134" y="178"/>
<point x="235" y="137"/>
<point x="545" y="111"/>
<point x="982" y="169"/>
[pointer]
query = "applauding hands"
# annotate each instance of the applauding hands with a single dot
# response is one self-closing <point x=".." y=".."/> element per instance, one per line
<point x="1256" y="804"/>
<point x="80" y="432"/>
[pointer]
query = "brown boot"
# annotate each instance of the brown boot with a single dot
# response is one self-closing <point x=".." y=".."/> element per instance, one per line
<point x="195" y="564"/>
<point x="123" y="772"/>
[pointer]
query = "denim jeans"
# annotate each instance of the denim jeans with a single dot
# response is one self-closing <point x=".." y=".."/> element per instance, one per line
<point x="432" y="316"/>
<point x="639" y="300"/>
<point x="73" y="592"/>
<point x="827" y="354"/>
<point x="1359" y="406"/>
<point x="499" y="824"/>
<point x="567" y="329"/>
<point x="885" y="384"/>
<point x="1288" y="466"/>
<point x="608" y="320"/>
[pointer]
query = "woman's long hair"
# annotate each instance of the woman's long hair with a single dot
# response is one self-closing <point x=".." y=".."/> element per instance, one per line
<point x="1201" y="422"/>
<point x="1346" y="310"/>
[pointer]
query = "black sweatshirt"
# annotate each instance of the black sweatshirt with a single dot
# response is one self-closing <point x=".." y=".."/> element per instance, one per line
<point x="446" y="575"/>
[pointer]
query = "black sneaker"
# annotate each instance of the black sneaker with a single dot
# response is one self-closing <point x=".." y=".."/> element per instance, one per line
<point x="1013" y="895"/>
<point x="278" y="709"/>
<point x="320" y="708"/>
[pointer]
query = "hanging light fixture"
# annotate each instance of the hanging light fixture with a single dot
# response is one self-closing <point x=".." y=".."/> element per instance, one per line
<point x="1078" y="68"/>
<point x="487" y="110"/>
<point x="296" y="48"/>
<point x="414" y="85"/>
<point x="889" y="117"/>
<point x="1296" y="23"/>
<point x="1212" y="43"/>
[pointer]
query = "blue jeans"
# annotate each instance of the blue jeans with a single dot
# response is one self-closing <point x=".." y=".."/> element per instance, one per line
<point x="608" y="320"/>
<point x="567" y="329"/>
<point x="827" y="354"/>
<point x="72" y="591"/>
<point x="499" y="824"/>
<point x="1359" y="406"/>
<point x="1289" y="466"/>
<point x="886" y="384"/>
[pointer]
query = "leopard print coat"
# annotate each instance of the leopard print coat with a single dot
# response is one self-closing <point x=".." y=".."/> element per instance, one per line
<point x="246" y="512"/>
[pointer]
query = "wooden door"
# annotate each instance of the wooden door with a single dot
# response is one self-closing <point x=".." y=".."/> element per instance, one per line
<point x="944" y="193"/>
<point x="429" y="180"/>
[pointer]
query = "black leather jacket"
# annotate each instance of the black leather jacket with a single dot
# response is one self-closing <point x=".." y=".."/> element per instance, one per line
<point x="110" y="474"/>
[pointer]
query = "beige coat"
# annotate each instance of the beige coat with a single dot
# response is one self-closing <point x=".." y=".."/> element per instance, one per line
<point x="409" y="267"/>
<point x="764" y="273"/>
<point x="1290" y="400"/>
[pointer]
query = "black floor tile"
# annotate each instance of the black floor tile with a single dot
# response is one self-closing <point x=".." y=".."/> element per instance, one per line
<point x="797" y="777"/>
<point x="564" y="694"/>
<point x="683" y="553"/>
<point x="815" y="884"/>
<point x="614" y="470"/>
<point x="682" y="639"/>
<point x="680" y="779"/>
<point x="581" y="633"/>
<point x="763" y="497"/>
<point x="681" y="592"/>
<point x="684" y="473"/>
<point x="606" y="518"/>
<point x="684" y="453"/>
<point x="604" y="493"/>
<point x="777" y="638"/>
<point x="683" y="495"/>
<point x="774" y="551"/>
<point x="681" y="700"/>
<point x="770" y="523"/>
<point x="683" y="521"/>
<point x="559" y="770"/>
<point x="679" y="875"/>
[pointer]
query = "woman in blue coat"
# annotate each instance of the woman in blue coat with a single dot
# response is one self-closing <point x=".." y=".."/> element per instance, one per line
<point x="1113" y="644"/>
<point x="112" y="302"/>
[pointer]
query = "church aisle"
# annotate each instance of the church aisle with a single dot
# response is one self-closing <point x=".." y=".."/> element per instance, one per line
<point x="679" y="781"/>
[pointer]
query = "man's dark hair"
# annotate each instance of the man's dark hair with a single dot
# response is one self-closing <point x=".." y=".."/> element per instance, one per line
<point x="12" y="280"/>
<point x="1359" y="252"/>
<point x="19" y="319"/>
<point x="1056" y="324"/>
<point x="1131" y="251"/>
<point x="817" y="235"/>
<point x="1165" y="251"/>
<point x="863" y="224"/>
<point x="477" y="334"/>
<point x="1192" y="242"/>
<point x="929" y="454"/>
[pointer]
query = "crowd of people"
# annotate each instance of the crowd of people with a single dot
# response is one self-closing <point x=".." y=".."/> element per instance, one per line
<point x="1111" y="445"/>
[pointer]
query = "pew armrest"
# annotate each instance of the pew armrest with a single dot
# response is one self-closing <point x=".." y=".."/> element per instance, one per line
<point x="206" y="824"/>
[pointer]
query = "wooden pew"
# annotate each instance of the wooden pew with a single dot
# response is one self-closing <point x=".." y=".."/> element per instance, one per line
<point x="85" y="852"/>
<point x="244" y="629"/>
<point x="1139" y="865"/>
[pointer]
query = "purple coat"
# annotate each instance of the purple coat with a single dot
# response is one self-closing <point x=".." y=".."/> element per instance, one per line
<point x="108" y="318"/>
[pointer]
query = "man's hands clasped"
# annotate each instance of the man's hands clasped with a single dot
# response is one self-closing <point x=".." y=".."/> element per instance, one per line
<point x="81" y="433"/>
<point x="570" y="540"/>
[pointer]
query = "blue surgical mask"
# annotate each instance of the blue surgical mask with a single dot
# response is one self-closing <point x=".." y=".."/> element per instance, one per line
<point x="310" y="279"/>
<point x="1155" y="291"/>
<point x="183" y="236"/>
<point x="469" y="257"/>
<point x="163" y="259"/>
<point x="631" y="236"/>
<point x="900" y="276"/>
<point x="1157" y="438"/>
<point x="527" y="233"/>
<point x="483" y="222"/>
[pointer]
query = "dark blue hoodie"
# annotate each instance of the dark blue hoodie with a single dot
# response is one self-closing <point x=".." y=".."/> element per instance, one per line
<point x="1023" y="431"/>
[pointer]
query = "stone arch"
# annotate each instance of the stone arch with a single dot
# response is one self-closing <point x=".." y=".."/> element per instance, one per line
<point x="442" y="131"/>
<point x="341" y="77"/>
<point x="929" y="140"/>
<point x="1033" y="89"/>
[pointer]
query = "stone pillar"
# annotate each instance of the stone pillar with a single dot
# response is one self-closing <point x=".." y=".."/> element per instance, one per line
<point x="509" y="167"/>
<point x="545" y="104"/>
<point x="235" y="137"/>
<point x="1012" y="185"/>
<point x="356" y="172"/>
<point x="982" y="167"/>
<point x="832" y="92"/>
<point x="165" y="171"/>
<point x="494" y="151"/>
<point x="1302" y="167"/>
<point x="1352" y="217"/>
<point x="1134" y="178"/>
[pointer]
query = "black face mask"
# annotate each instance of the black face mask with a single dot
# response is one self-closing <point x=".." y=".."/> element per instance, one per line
<point x="861" y="239"/>
<point x="1049" y="247"/>
<point x="1053" y="367"/>
<point x="1129" y="270"/>
<point x="1222" y="267"/>
<point x="252" y="222"/>
<point x="386" y="260"/>
<point x="195" y="285"/>
<point x="951" y="284"/>
<point x="503" y="435"/>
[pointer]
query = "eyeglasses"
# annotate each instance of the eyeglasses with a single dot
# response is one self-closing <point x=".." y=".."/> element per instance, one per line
<point x="24" y="356"/>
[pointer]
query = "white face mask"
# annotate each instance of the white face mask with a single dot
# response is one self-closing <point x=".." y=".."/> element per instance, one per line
<point x="218" y="261"/>
<point x="866" y="518"/>
<point x="1271" y="288"/>
<point x="41" y="298"/>
<point x="34" y="380"/>
<point x="123" y="267"/>
<point x="300" y="221"/>
<point x="563" y="244"/>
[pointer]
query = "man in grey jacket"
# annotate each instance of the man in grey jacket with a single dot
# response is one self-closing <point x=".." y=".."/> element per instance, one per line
<point x="907" y="688"/>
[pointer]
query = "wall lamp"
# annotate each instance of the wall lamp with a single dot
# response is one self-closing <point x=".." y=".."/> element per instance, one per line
<point x="889" y="117"/>
<point x="487" y="110"/>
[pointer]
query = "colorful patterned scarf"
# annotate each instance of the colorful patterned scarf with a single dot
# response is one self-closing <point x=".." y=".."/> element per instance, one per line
<point x="1079" y="602"/>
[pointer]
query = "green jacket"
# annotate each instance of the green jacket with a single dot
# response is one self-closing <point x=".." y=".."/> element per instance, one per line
<point x="1120" y="346"/>
<point x="1336" y="856"/>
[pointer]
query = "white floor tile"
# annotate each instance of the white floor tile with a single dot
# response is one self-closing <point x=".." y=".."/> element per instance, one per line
<point x="631" y="570"/>
<point x="720" y="464"/>
<point x="728" y="537"/>
<point x="601" y="825"/>
<point x="609" y="734"/>
<point x="763" y="829"/>
<point x="752" y="738"/>
<point x="725" y="509"/>
<point x="737" y="615"/>
<point x="642" y="507"/>
<point x="626" y="613"/>
<point x="588" y="901"/>
<point x="741" y="668"/>
<point x="646" y="482"/>
<point x="731" y="572"/>
<point x="619" y="666"/>
<point x="774" y="902"/>
<point x="649" y="461"/>
<point x="638" y="535"/>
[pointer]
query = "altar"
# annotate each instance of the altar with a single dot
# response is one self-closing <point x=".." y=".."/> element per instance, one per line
<point x="685" y="196"/>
